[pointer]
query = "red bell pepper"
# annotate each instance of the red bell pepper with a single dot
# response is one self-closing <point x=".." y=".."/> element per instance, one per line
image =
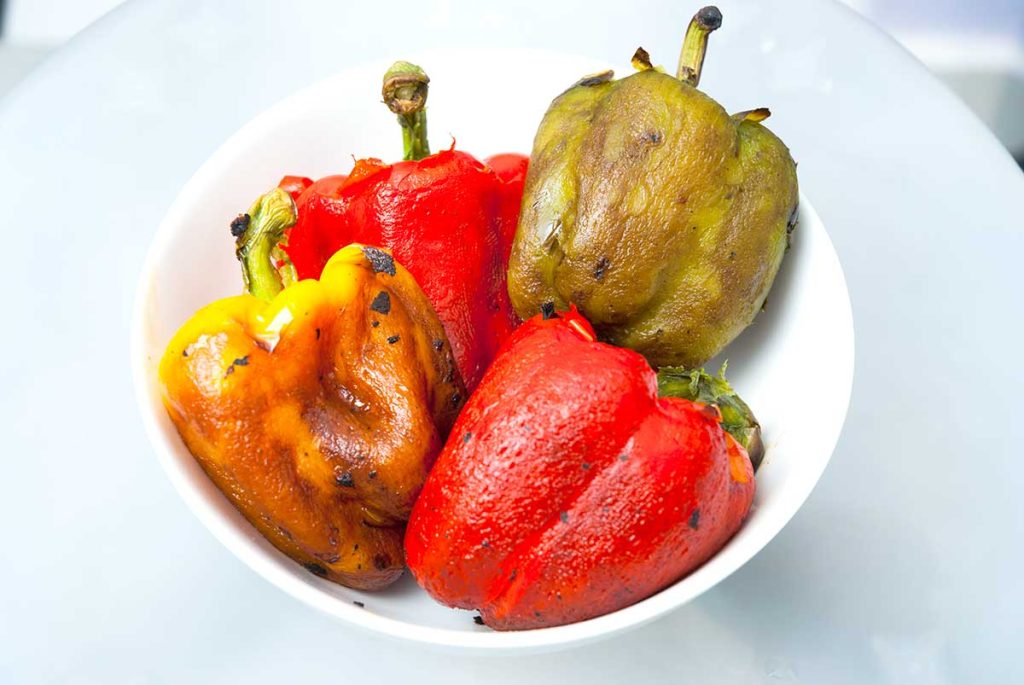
<point x="569" y="489"/>
<point x="447" y="217"/>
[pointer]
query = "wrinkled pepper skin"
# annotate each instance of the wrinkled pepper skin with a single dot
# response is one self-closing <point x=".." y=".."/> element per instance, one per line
<point x="656" y="213"/>
<point x="448" y="218"/>
<point x="319" y="413"/>
<point x="568" y="489"/>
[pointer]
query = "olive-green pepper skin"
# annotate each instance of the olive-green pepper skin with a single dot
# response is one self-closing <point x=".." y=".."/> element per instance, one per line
<point x="662" y="218"/>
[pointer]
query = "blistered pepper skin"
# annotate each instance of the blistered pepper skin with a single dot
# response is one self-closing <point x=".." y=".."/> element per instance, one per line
<point x="448" y="218"/>
<point x="568" y="489"/>
<point x="319" y="413"/>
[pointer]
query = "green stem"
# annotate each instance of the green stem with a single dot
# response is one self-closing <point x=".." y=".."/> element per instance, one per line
<point x="405" y="94"/>
<point x="257" y="244"/>
<point x="699" y="386"/>
<point x="695" y="44"/>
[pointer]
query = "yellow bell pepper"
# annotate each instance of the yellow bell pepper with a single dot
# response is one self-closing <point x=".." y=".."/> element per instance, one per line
<point x="318" y="413"/>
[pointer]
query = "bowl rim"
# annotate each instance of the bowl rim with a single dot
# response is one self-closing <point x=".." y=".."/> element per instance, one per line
<point x="721" y="565"/>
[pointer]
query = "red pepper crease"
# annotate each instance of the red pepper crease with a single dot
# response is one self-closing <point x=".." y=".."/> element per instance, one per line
<point x="447" y="217"/>
<point x="568" y="489"/>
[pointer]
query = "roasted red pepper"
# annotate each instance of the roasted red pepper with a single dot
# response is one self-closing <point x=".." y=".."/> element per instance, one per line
<point x="447" y="217"/>
<point x="568" y="489"/>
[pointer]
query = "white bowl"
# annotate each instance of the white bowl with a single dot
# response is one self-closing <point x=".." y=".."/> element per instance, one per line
<point x="794" y="366"/>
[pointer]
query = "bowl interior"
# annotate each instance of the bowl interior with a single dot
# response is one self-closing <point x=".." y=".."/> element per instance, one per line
<point x="794" y="366"/>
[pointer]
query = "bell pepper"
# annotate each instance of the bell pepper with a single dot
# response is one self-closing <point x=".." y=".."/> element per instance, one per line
<point x="447" y="217"/>
<point x="661" y="216"/>
<point x="568" y="488"/>
<point x="316" y="408"/>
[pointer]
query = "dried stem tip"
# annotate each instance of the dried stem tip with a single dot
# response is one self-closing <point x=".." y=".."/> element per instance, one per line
<point x="405" y="88"/>
<point x="709" y="18"/>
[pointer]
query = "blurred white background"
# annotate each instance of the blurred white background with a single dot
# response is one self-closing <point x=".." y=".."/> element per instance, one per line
<point x="975" y="46"/>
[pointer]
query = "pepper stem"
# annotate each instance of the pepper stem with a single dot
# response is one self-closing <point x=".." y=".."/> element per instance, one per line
<point x="405" y="94"/>
<point x="695" y="44"/>
<point x="266" y="269"/>
<point x="699" y="386"/>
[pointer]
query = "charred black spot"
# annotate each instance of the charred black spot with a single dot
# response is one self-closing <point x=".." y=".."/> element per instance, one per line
<point x="694" y="519"/>
<point x="479" y="620"/>
<point x="438" y="344"/>
<point x="596" y="79"/>
<point x="586" y="466"/>
<point x="456" y="398"/>
<point x="732" y="254"/>
<point x="392" y="339"/>
<point x="358" y="603"/>
<point x="355" y="547"/>
<point x="466" y="438"/>
<point x="623" y="457"/>
<point x="375" y="323"/>
<point x="380" y="260"/>
<point x="318" y="334"/>
<point x="537" y="614"/>
<point x="602" y="266"/>
<point x="512" y="576"/>
<point x="564" y="516"/>
<point x="315" y="569"/>
<point x="381" y="561"/>
<point x="241" y="361"/>
<point x="709" y="18"/>
<point x="344" y="480"/>
<point x="485" y="543"/>
<point x="381" y="303"/>
<point x="548" y="310"/>
<point x="239" y="224"/>
<point x="642" y="58"/>
<point x="655" y="137"/>
<point x="371" y="475"/>
<point x="184" y="352"/>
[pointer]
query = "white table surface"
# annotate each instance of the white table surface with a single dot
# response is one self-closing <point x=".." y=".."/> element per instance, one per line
<point x="903" y="567"/>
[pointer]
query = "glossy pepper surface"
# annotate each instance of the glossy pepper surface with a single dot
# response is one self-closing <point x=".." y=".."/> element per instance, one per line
<point x="662" y="217"/>
<point x="447" y="217"/>
<point x="569" y="489"/>
<point x="317" y="409"/>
